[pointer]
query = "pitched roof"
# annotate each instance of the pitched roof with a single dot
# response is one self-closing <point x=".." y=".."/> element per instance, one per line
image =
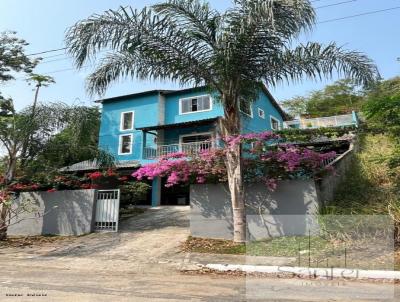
<point x="167" y="92"/>
<point x="90" y="165"/>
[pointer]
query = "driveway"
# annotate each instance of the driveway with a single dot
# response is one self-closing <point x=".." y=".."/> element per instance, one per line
<point x="143" y="242"/>
<point x="142" y="263"/>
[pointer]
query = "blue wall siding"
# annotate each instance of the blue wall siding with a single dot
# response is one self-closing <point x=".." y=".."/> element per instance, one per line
<point x="172" y="115"/>
<point x="258" y="124"/>
<point x="146" y="114"/>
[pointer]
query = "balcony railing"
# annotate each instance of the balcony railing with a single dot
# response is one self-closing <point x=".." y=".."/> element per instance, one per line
<point x="187" y="148"/>
<point x="320" y="122"/>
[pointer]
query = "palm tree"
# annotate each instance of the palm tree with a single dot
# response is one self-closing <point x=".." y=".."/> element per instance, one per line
<point x="231" y="52"/>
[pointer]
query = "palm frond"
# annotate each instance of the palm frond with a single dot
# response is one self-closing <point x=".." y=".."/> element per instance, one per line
<point x="188" y="42"/>
<point x="315" y="61"/>
<point x="150" y="41"/>
<point x="195" y="17"/>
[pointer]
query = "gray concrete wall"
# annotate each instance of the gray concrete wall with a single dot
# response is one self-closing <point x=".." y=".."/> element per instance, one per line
<point x="59" y="213"/>
<point x="290" y="210"/>
<point x="269" y="214"/>
<point x="326" y="187"/>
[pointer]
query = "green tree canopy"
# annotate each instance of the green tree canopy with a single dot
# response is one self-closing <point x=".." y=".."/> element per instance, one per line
<point x="342" y="97"/>
<point x="382" y="110"/>
<point x="382" y="106"/>
<point x="13" y="57"/>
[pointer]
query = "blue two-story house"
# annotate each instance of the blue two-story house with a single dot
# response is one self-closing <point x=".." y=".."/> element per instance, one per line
<point x="139" y="128"/>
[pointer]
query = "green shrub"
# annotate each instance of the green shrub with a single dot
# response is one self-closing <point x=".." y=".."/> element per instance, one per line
<point x="133" y="192"/>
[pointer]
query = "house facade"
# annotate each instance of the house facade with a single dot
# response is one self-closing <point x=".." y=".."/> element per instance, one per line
<point x="144" y="126"/>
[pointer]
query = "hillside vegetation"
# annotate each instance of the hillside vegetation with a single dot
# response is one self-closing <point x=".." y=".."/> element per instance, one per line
<point x="371" y="185"/>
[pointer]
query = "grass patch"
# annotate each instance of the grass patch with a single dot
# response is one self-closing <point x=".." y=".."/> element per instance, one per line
<point x="323" y="252"/>
<point x="277" y="247"/>
<point x="370" y="187"/>
<point x="213" y="246"/>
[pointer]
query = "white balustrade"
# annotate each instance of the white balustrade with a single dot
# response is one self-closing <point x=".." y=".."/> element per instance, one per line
<point x="320" y="122"/>
<point x="187" y="148"/>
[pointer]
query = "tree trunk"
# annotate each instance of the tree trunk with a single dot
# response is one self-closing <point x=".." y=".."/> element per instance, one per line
<point x="3" y="224"/>
<point x="12" y="166"/>
<point x="235" y="181"/>
<point x="230" y="126"/>
<point x="25" y="146"/>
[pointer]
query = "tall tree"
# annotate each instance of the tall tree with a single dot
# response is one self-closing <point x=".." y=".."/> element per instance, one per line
<point x="39" y="81"/>
<point x="341" y="97"/>
<point x="231" y="52"/>
<point x="13" y="57"/>
<point x="48" y="122"/>
<point x="77" y="142"/>
<point x="296" y="106"/>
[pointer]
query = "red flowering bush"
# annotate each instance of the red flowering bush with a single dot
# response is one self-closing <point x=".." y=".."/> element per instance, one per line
<point x="95" y="175"/>
<point x="69" y="182"/>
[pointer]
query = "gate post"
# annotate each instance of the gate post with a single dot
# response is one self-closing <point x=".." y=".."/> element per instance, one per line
<point x="156" y="192"/>
<point x="94" y="209"/>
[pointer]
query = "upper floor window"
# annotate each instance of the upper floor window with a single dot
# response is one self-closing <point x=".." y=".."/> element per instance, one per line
<point x="125" y="144"/>
<point x="245" y="107"/>
<point x="126" y="120"/>
<point x="261" y="113"/>
<point x="195" y="104"/>
<point x="275" y="124"/>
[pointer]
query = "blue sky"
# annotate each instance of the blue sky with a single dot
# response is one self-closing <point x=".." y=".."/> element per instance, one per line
<point x="43" y="23"/>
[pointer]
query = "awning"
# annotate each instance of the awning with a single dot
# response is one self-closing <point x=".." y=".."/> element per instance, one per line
<point x="179" y="125"/>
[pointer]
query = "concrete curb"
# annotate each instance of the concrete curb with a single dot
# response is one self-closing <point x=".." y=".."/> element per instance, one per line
<point x="309" y="272"/>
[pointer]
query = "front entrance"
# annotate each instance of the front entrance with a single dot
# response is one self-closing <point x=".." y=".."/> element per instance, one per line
<point x="176" y="195"/>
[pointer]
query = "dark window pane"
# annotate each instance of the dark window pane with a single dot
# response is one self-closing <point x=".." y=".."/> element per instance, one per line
<point x="194" y="105"/>
<point x="245" y="107"/>
<point x="127" y="121"/>
<point x="126" y="144"/>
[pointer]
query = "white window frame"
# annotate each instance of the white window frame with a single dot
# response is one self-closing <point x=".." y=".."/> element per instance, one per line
<point x="194" y="97"/>
<point x="120" y="144"/>
<point x="275" y="119"/>
<point x="121" y="122"/>
<point x="251" y="111"/>
<point x="259" y="110"/>
<point x="194" y="134"/>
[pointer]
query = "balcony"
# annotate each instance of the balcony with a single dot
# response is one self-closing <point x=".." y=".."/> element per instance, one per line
<point x="321" y="122"/>
<point x="192" y="148"/>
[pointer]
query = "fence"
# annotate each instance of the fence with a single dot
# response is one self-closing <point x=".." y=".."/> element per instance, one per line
<point x="321" y="122"/>
<point x="187" y="148"/>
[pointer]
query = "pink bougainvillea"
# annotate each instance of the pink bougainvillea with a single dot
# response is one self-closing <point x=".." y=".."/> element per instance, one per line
<point x="250" y="137"/>
<point x="265" y="161"/>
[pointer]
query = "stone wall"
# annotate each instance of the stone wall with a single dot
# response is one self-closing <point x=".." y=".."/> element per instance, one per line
<point x="58" y="213"/>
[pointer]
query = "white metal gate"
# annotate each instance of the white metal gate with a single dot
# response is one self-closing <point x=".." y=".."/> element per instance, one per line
<point x="107" y="210"/>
